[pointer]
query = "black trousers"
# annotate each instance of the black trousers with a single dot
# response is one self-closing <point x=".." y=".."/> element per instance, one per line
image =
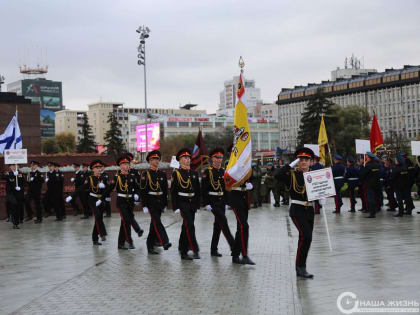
<point x="84" y="199"/>
<point x="371" y="200"/>
<point x="187" y="239"/>
<point x="98" y="214"/>
<point x="220" y="225"/>
<point x="107" y="208"/>
<point x="51" y="201"/>
<point x="157" y="232"/>
<point x="352" y="197"/>
<point x="409" y="204"/>
<point x="390" y="196"/>
<point x="16" y="205"/>
<point x="304" y="223"/>
<point x="61" y="205"/>
<point x="239" y="204"/>
<point x="402" y="197"/>
<point x="36" y="198"/>
<point x="125" y="208"/>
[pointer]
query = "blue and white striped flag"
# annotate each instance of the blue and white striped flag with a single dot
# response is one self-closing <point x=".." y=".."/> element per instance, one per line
<point x="11" y="138"/>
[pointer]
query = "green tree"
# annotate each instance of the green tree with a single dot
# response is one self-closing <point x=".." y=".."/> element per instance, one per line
<point x="221" y="139"/>
<point x="170" y="146"/>
<point x="317" y="106"/>
<point x="113" y="137"/>
<point x="49" y="146"/>
<point x="87" y="142"/>
<point x="66" y="142"/>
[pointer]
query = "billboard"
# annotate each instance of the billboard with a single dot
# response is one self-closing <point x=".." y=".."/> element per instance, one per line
<point x="47" y="123"/>
<point x="153" y="137"/>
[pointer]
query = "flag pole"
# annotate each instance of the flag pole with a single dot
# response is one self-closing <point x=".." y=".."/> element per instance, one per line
<point x="16" y="167"/>
<point x="326" y="227"/>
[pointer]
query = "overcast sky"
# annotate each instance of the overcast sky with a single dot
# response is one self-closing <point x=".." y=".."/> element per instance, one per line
<point x="195" y="45"/>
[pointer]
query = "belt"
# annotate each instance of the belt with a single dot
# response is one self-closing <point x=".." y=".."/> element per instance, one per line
<point x="338" y="177"/>
<point x="186" y="194"/>
<point x="353" y="178"/>
<point x="216" y="193"/>
<point x="95" y="195"/>
<point x="239" y="188"/>
<point x="303" y="203"/>
<point x="124" y="195"/>
<point x="155" y="193"/>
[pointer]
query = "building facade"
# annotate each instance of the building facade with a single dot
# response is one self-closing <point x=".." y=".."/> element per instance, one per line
<point x="394" y="95"/>
<point x="69" y="121"/>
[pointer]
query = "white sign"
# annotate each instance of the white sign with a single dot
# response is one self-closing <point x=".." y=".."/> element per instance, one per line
<point x="16" y="156"/>
<point x="415" y="148"/>
<point x="174" y="162"/>
<point x="313" y="147"/>
<point x="319" y="184"/>
<point x="362" y="146"/>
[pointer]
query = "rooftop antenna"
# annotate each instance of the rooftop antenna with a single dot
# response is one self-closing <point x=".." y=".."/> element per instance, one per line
<point x="32" y="71"/>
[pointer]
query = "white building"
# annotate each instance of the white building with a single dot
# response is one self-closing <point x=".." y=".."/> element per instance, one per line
<point x="69" y="121"/>
<point x="394" y="95"/>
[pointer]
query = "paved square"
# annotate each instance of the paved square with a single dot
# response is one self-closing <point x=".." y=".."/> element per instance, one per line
<point x="53" y="268"/>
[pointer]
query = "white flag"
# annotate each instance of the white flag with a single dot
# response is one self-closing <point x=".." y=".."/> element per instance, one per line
<point x="11" y="138"/>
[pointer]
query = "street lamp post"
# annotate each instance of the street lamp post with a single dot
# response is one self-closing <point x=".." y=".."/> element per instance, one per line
<point x="141" y="49"/>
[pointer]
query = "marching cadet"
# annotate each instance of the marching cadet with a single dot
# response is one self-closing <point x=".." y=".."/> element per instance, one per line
<point x="400" y="182"/>
<point x="84" y="195"/>
<point x="49" y="200"/>
<point x="107" y="202"/>
<point x="96" y="186"/>
<point x="412" y="174"/>
<point x="281" y="187"/>
<point x="77" y="183"/>
<point x="389" y="190"/>
<point x="256" y="184"/>
<point x="370" y="177"/>
<point x="61" y="211"/>
<point x="338" y="170"/>
<point x="154" y="197"/>
<point x="125" y="185"/>
<point x="35" y="181"/>
<point x="362" y="187"/>
<point x="271" y="184"/>
<point x="215" y="200"/>
<point x="301" y="211"/>
<point x="185" y="193"/>
<point x="351" y="176"/>
<point x="15" y="194"/>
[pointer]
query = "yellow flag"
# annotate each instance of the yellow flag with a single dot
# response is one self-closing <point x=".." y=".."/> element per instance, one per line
<point x="322" y="141"/>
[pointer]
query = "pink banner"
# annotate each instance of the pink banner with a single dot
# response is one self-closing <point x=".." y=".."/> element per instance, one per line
<point x="153" y="137"/>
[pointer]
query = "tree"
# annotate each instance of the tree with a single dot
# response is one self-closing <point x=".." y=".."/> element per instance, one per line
<point x="317" y="106"/>
<point x="49" y="146"/>
<point x="66" y="142"/>
<point x="170" y="146"/>
<point x="221" y="139"/>
<point x="87" y="142"/>
<point x="113" y="137"/>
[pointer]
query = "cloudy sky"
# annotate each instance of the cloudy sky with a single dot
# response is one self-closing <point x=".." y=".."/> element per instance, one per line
<point x="91" y="45"/>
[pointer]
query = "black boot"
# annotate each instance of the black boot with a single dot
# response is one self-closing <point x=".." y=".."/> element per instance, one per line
<point x="301" y="272"/>
<point x="247" y="261"/>
<point x="166" y="246"/>
<point x="96" y="243"/>
<point x="131" y="246"/>
<point x="196" y="255"/>
<point x="152" y="251"/>
<point x="276" y="205"/>
<point x="237" y="260"/>
<point x="184" y="256"/>
<point x="140" y="233"/>
<point x="215" y="253"/>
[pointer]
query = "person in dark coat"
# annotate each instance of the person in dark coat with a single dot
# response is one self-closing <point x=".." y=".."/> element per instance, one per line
<point x="370" y="176"/>
<point x="338" y="170"/>
<point x="352" y="179"/>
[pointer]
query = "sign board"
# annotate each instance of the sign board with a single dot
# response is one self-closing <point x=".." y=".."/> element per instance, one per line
<point x="415" y="148"/>
<point x="362" y="146"/>
<point x="174" y="163"/>
<point x="319" y="184"/>
<point x="153" y="137"/>
<point x="16" y="156"/>
<point x="313" y="147"/>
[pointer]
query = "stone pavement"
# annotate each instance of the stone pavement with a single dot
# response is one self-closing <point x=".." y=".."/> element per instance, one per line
<point x="53" y="268"/>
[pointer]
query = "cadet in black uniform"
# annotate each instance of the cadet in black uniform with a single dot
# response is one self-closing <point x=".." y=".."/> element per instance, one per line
<point x="49" y="200"/>
<point x="185" y="193"/>
<point x="351" y="176"/>
<point x="96" y="186"/>
<point x="370" y="176"/>
<point x="35" y="181"/>
<point x="215" y="200"/>
<point x="84" y="195"/>
<point x="126" y="187"/>
<point x="301" y="211"/>
<point x="154" y="197"/>
<point x="107" y="205"/>
<point x="15" y="194"/>
<point x="60" y="193"/>
<point x="400" y="182"/>
<point x="74" y="204"/>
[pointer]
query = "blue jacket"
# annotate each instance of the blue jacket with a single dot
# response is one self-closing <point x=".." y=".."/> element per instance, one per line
<point x="316" y="166"/>
<point x="352" y="176"/>
<point x="338" y="170"/>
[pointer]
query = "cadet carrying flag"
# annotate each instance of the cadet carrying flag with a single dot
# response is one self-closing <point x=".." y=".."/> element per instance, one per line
<point x="200" y="155"/>
<point x="11" y="138"/>
<point x="239" y="169"/>
<point x="322" y="141"/>
<point x="376" y="140"/>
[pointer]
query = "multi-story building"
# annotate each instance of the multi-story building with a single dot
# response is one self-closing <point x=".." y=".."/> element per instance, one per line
<point x="394" y="95"/>
<point x="228" y="97"/>
<point x="70" y="121"/>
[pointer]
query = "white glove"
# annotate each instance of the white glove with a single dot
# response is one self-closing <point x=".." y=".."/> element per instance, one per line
<point x="46" y="180"/>
<point x="136" y="197"/>
<point x="198" y="210"/>
<point x="248" y="186"/>
<point x="322" y="201"/>
<point x="177" y="211"/>
<point x="72" y="179"/>
<point x="108" y="199"/>
<point x="17" y="188"/>
<point x="208" y="208"/>
<point x="31" y="179"/>
<point x="293" y="164"/>
<point x="164" y="209"/>
<point x="98" y="203"/>
<point x="68" y="199"/>
<point x="101" y="185"/>
<point x="15" y="173"/>
<point x="145" y="210"/>
<point x="226" y="207"/>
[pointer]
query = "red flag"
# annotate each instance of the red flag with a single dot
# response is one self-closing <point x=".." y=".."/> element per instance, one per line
<point x="376" y="140"/>
<point x="199" y="153"/>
